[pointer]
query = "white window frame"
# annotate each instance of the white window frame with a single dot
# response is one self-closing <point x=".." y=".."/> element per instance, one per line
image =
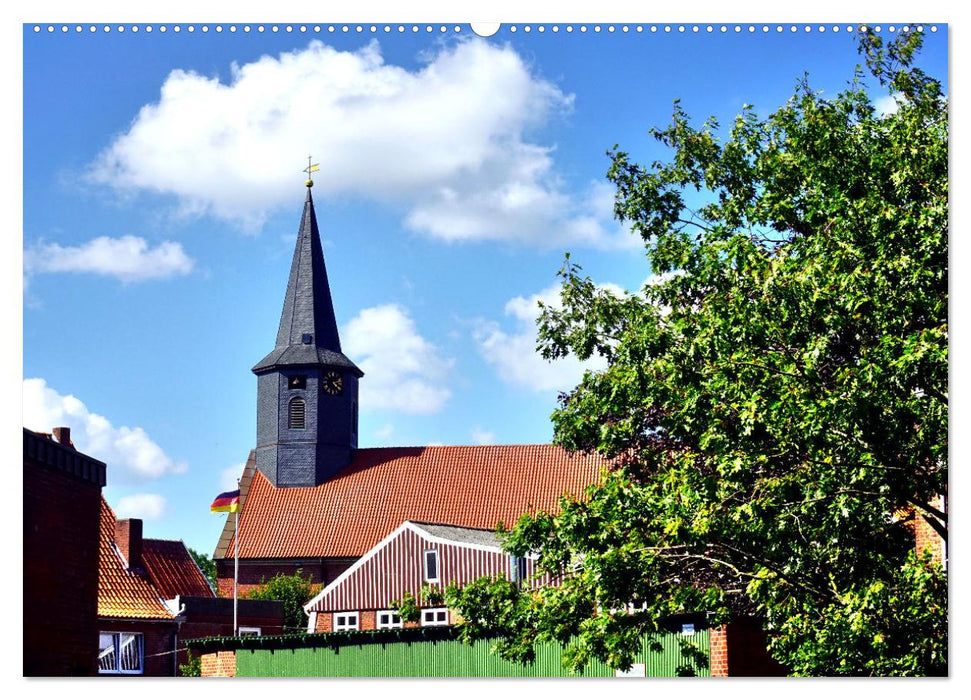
<point x="438" y="565"/>
<point x="392" y="625"/>
<point x="116" y="644"/>
<point x="433" y="614"/>
<point x="252" y="631"/>
<point x="347" y="625"/>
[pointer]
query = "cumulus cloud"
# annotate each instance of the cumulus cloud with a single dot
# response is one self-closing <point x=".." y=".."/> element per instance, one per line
<point x="448" y="142"/>
<point x="146" y="506"/>
<point x="481" y="436"/>
<point x="512" y="354"/>
<point x="131" y="455"/>
<point x="228" y="477"/>
<point x="129" y="259"/>
<point x="404" y="372"/>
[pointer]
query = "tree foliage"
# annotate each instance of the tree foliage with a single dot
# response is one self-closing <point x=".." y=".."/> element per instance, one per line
<point x="294" y="591"/>
<point x="775" y="400"/>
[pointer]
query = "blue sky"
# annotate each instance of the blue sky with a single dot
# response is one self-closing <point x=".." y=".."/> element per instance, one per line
<point x="162" y="191"/>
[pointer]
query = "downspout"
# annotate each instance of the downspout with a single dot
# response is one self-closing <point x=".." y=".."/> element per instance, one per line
<point x="179" y="619"/>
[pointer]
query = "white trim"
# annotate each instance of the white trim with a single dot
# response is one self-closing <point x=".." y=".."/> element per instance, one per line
<point x="347" y="626"/>
<point x="435" y="612"/>
<point x="371" y="553"/>
<point x="139" y="639"/>
<point x="312" y="622"/>
<point x="391" y="625"/>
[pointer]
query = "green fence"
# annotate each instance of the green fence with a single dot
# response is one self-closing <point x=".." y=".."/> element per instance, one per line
<point x="449" y="658"/>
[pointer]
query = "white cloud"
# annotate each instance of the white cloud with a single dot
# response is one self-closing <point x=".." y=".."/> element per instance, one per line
<point x="888" y="104"/>
<point x="481" y="436"/>
<point x="131" y="455"/>
<point x="447" y="142"/>
<point x="513" y="354"/>
<point x="404" y="372"/>
<point x="146" y="506"/>
<point x="228" y="477"/>
<point x="129" y="259"/>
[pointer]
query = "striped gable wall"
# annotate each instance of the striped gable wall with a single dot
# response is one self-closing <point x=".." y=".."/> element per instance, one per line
<point x="396" y="565"/>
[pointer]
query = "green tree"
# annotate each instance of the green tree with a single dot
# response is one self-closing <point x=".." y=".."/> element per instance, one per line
<point x="775" y="398"/>
<point x="208" y="567"/>
<point x="294" y="591"/>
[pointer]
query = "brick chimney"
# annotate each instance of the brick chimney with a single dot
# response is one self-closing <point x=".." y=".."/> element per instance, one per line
<point x="128" y="538"/>
<point x="63" y="436"/>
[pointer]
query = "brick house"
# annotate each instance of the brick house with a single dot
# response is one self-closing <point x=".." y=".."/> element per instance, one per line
<point x="152" y="596"/>
<point x="413" y="555"/>
<point x="62" y="499"/>
<point x="138" y="632"/>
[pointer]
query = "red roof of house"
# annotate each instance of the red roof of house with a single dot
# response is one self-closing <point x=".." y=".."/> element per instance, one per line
<point x="471" y="486"/>
<point x="123" y="593"/>
<point x="172" y="569"/>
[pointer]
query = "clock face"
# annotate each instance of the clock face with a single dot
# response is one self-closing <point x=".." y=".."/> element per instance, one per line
<point x="332" y="383"/>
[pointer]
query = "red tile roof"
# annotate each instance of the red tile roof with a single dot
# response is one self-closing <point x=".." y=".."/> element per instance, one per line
<point x="123" y="593"/>
<point x="172" y="569"/>
<point x="472" y="486"/>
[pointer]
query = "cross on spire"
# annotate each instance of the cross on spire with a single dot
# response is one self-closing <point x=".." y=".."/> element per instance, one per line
<point x="310" y="170"/>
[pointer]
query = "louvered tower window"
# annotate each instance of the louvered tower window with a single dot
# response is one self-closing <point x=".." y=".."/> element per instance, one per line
<point x="298" y="414"/>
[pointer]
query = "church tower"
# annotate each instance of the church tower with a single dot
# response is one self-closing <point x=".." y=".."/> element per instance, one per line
<point x="306" y="413"/>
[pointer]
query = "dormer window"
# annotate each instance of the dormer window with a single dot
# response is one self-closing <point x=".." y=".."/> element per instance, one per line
<point x="298" y="414"/>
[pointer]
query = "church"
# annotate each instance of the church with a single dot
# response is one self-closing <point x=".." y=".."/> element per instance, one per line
<point x="313" y="501"/>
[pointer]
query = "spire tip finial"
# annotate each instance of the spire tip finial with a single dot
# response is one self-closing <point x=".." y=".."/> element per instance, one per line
<point x="310" y="170"/>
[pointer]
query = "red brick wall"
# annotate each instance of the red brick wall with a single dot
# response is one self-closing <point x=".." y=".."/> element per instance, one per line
<point x="926" y="538"/>
<point x="199" y="628"/>
<point x="718" y="652"/>
<point x="60" y="565"/>
<point x="325" y="622"/>
<point x="368" y="620"/>
<point x="159" y="639"/>
<point x="739" y="649"/>
<point x="252" y="575"/>
<point x="219" y="664"/>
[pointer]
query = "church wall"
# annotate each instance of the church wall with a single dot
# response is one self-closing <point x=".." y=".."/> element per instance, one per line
<point x="254" y="574"/>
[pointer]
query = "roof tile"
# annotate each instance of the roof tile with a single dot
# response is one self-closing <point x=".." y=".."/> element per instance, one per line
<point x="468" y="486"/>
<point x="122" y="592"/>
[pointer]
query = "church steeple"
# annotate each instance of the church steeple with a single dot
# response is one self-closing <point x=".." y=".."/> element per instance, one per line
<point x="307" y="305"/>
<point x="306" y="387"/>
<point x="308" y="327"/>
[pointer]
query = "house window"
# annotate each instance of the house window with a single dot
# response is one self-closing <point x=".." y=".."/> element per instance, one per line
<point x="298" y="414"/>
<point x="121" y="652"/>
<point x="431" y="565"/>
<point x="434" y="617"/>
<point x="250" y="632"/>
<point x="388" y="619"/>
<point x="344" y="621"/>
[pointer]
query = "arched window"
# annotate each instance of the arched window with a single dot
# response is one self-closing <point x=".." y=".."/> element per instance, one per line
<point x="298" y="414"/>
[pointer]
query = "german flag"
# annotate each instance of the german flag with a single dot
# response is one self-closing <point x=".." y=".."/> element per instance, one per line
<point x="226" y="502"/>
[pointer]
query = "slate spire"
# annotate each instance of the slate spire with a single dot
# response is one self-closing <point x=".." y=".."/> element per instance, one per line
<point x="307" y="334"/>
<point x="308" y="307"/>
